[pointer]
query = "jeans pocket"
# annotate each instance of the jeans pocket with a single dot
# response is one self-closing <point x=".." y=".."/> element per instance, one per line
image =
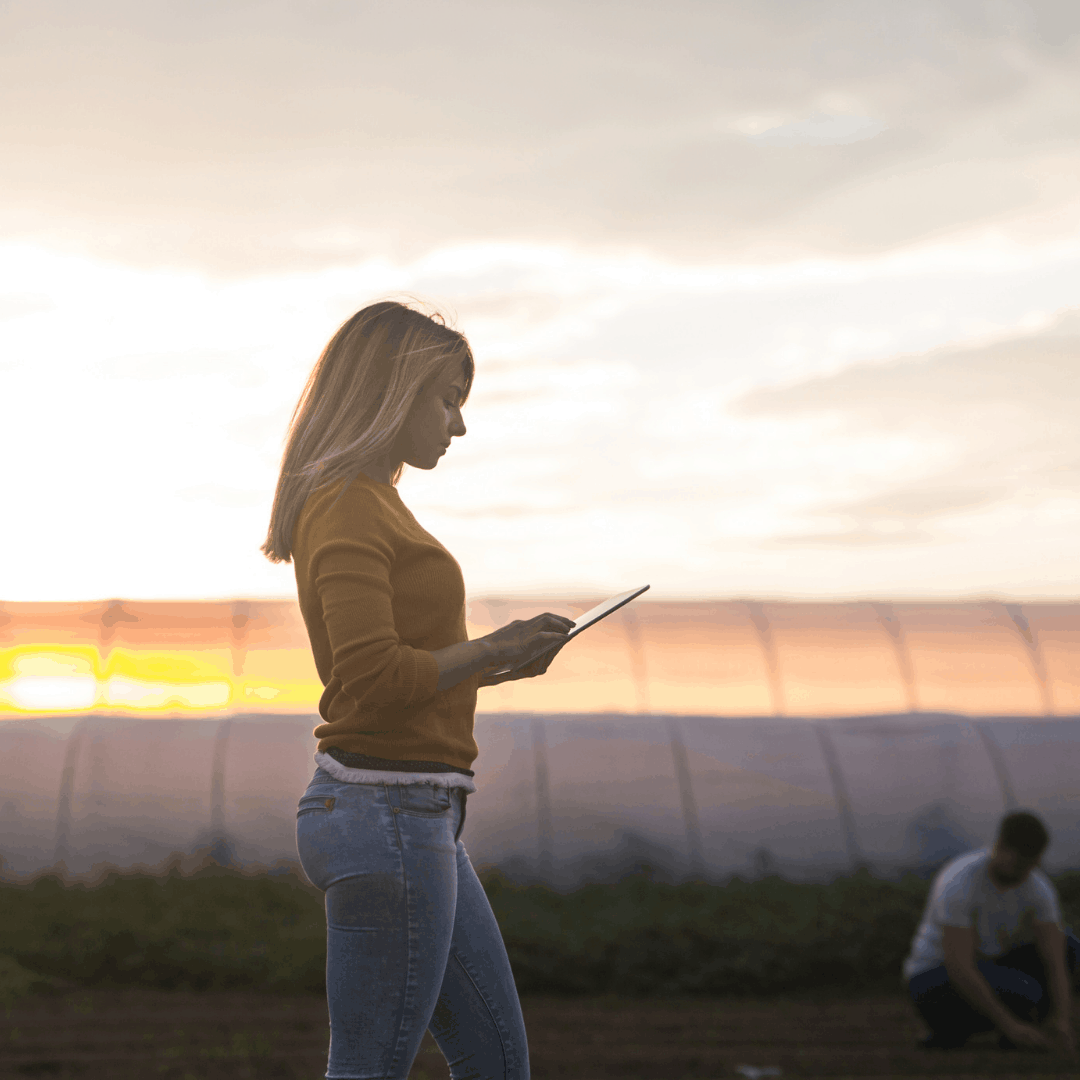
<point x="317" y="827"/>
<point x="315" y="804"/>
<point x="433" y="799"/>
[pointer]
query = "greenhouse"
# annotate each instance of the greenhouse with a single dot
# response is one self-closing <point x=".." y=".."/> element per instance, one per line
<point x="693" y="740"/>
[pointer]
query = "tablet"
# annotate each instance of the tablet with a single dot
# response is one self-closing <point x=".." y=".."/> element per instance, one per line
<point x="583" y="622"/>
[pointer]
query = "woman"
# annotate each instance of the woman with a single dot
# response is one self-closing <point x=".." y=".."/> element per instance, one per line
<point x="412" y="942"/>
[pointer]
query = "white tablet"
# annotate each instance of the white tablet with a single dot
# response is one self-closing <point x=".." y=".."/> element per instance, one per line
<point x="583" y="622"/>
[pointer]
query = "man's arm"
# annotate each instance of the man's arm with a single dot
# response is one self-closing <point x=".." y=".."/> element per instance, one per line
<point x="1050" y="941"/>
<point x="958" y="944"/>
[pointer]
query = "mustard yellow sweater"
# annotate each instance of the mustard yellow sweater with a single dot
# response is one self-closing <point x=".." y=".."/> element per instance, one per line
<point x="378" y="593"/>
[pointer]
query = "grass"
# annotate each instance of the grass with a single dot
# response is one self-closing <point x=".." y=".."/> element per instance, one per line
<point x="218" y="929"/>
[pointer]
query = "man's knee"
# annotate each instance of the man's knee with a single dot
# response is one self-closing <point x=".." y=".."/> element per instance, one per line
<point x="1017" y="989"/>
<point x="1072" y="953"/>
<point x="928" y="983"/>
<point x="939" y="1002"/>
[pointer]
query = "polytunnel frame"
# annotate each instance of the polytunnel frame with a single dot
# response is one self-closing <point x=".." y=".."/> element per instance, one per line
<point x="73" y="745"/>
<point x="545" y="833"/>
<point x="239" y="617"/>
<point x="545" y="830"/>
<point x="857" y="859"/>
<point x="886" y="617"/>
<point x="845" y="809"/>
<point x="890" y="623"/>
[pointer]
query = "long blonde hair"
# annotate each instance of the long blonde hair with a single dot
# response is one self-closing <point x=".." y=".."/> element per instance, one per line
<point x="355" y="402"/>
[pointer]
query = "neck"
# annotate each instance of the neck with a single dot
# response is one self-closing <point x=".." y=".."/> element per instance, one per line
<point x="381" y="471"/>
<point x="995" y="877"/>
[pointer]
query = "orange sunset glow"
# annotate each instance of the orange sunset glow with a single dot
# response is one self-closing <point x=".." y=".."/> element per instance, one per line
<point x="737" y="658"/>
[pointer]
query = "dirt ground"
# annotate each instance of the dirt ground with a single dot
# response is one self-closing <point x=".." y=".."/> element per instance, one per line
<point x="129" y="1034"/>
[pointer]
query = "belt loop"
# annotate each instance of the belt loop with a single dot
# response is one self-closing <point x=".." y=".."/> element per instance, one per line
<point x="392" y="791"/>
<point x="461" y="824"/>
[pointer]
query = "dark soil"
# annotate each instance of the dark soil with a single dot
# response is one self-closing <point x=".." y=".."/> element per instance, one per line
<point x="129" y="1034"/>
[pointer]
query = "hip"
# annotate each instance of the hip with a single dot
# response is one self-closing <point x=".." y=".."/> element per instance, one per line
<point x="345" y="829"/>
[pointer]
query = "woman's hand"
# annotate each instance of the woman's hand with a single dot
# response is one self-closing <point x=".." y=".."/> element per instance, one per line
<point x="522" y="640"/>
<point x="529" y="671"/>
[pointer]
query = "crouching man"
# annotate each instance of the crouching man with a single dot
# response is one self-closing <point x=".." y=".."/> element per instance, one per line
<point x="991" y="950"/>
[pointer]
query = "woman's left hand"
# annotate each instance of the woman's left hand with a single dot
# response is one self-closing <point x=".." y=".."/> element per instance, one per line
<point x="529" y="671"/>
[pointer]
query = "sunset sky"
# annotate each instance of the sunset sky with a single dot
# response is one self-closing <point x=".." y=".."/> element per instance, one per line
<point x="771" y="299"/>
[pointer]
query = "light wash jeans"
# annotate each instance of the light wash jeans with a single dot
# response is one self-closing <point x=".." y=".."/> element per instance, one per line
<point x="411" y="940"/>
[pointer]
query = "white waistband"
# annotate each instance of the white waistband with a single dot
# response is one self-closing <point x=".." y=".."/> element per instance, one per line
<point x="379" y="776"/>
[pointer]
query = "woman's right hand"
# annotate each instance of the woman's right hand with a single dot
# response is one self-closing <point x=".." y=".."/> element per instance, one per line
<point x="524" y="639"/>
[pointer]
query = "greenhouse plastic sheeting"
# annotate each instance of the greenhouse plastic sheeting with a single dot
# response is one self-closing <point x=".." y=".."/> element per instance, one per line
<point x="564" y="799"/>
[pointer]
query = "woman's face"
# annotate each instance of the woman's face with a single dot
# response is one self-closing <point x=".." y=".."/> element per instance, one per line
<point x="433" y="420"/>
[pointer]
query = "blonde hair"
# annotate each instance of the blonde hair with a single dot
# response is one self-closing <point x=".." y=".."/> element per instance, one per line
<point x="355" y="402"/>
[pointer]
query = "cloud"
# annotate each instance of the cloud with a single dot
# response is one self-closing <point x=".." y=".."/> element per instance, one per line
<point x="154" y="366"/>
<point x="1002" y="413"/>
<point x="1030" y="376"/>
<point x="920" y="503"/>
<point x="15" y="307"/>
<point x="247" y="137"/>
<point x="821" y="129"/>
<point x="220" y="495"/>
<point x="894" y="516"/>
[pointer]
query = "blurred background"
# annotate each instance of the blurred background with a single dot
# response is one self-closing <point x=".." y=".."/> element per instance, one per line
<point x="776" y="307"/>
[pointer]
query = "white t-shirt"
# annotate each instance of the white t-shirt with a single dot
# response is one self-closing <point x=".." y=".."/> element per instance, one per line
<point x="963" y="895"/>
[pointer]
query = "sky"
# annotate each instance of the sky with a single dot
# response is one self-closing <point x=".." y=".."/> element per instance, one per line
<point x="770" y="299"/>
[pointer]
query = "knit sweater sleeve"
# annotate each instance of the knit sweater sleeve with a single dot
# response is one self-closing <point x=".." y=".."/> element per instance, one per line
<point x="351" y="575"/>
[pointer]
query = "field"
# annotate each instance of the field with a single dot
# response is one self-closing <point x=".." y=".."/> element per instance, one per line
<point x="129" y="1034"/>
<point x="220" y="930"/>
<point x="217" y="974"/>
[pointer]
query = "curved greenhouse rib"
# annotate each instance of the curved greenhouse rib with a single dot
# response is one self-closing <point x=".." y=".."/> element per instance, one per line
<point x="840" y="794"/>
<point x="768" y="647"/>
<point x="686" y="798"/>
<point x="64" y="817"/>
<point x="545" y="832"/>
<point x="218" y="839"/>
<point x="886" y="615"/>
<point x="638" y="667"/>
<point x="997" y="760"/>
<point x="1030" y="638"/>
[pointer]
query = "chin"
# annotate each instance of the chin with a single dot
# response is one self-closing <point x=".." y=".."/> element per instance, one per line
<point x="427" y="466"/>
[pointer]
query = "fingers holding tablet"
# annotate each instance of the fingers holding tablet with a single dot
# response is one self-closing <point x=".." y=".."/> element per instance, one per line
<point x="544" y="635"/>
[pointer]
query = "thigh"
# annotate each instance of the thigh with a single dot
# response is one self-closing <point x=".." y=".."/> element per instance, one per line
<point x="1015" y="986"/>
<point x="385" y="857"/>
<point x="477" y="1021"/>
<point x="1026" y="959"/>
<point x="950" y="1017"/>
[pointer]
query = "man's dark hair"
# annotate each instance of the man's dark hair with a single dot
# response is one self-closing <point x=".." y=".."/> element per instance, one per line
<point x="1023" y="833"/>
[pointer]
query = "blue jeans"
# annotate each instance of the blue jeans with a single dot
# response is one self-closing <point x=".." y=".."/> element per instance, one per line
<point x="411" y="940"/>
<point x="1018" y="978"/>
